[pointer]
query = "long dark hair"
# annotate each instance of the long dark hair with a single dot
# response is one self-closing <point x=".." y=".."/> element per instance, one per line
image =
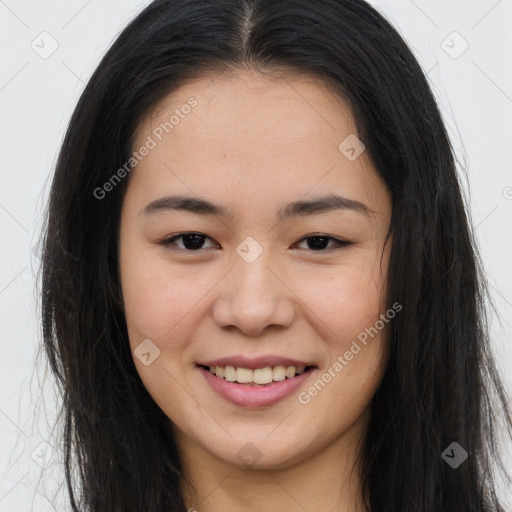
<point x="441" y="385"/>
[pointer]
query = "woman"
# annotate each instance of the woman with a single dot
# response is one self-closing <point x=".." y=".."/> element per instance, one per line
<point x="260" y="287"/>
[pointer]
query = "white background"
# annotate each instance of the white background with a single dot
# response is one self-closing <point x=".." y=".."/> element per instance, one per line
<point x="37" y="96"/>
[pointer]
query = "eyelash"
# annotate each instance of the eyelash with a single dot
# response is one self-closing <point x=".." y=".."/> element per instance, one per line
<point x="168" y="242"/>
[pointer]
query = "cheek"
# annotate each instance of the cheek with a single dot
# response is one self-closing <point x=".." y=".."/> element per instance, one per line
<point x="356" y="337"/>
<point x="355" y="341"/>
<point x="351" y="313"/>
<point x="345" y="299"/>
<point x="159" y="298"/>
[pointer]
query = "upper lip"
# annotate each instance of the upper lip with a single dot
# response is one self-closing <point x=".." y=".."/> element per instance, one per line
<point x="257" y="362"/>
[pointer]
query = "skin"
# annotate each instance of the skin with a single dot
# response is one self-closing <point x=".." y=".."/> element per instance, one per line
<point x="254" y="144"/>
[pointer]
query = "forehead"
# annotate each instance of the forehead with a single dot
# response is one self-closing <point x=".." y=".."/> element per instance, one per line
<point x="248" y="104"/>
<point x="265" y="136"/>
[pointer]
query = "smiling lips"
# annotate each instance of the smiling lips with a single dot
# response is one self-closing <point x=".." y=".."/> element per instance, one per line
<point x="258" y="375"/>
<point x="261" y="370"/>
<point x="255" y="382"/>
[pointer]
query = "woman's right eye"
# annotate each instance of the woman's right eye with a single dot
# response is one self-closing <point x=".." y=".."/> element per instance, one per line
<point x="191" y="242"/>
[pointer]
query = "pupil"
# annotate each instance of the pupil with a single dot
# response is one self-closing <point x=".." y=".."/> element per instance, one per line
<point x="319" y="242"/>
<point x="196" y="243"/>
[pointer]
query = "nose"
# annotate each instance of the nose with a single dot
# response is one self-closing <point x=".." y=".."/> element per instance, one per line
<point x="252" y="297"/>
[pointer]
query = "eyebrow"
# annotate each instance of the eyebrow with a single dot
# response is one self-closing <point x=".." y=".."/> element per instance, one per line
<point x="315" y="206"/>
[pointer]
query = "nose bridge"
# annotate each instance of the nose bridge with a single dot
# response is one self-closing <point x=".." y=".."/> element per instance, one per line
<point x="251" y="266"/>
<point x="252" y="296"/>
<point x="254" y="279"/>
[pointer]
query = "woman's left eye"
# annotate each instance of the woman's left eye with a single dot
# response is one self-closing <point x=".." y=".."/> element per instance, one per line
<point x="319" y="242"/>
<point x="194" y="242"/>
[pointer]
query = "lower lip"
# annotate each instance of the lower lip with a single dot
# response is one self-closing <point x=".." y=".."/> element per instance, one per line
<point x="246" y="395"/>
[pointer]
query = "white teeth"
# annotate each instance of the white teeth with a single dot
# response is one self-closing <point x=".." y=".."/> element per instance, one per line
<point x="262" y="375"/>
<point x="279" y="373"/>
<point x="243" y="375"/>
<point x="259" y="375"/>
<point x="230" y="373"/>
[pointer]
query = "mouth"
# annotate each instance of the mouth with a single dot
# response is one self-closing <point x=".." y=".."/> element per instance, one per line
<point x="255" y="387"/>
<point x="258" y="376"/>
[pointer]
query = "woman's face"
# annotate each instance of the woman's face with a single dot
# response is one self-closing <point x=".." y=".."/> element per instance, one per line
<point x="265" y="285"/>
